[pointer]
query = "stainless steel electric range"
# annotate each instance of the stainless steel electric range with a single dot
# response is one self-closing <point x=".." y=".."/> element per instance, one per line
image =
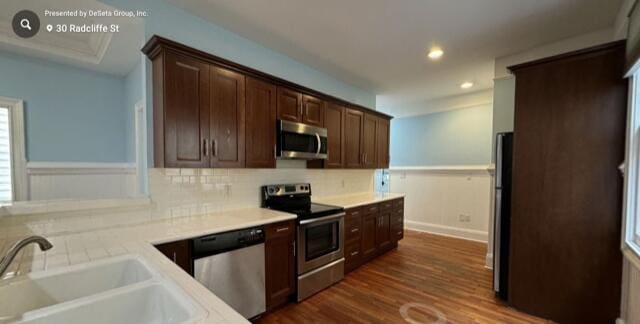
<point x="319" y="239"/>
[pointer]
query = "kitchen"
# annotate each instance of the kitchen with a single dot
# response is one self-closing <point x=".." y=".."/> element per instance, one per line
<point x="187" y="171"/>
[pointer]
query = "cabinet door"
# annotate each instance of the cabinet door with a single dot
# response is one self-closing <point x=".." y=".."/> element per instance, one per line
<point x="334" y="123"/>
<point x="383" y="231"/>
<point x="289" y="105"/>
<point x="312" y="111"/>
<point x="179" y="252"/>
<point x="279" y="263"/>
<point x="260" y="124"/>
<point x="369" y="229"/>
<point x="353" y="138"/>
<point x="227" y="118"/>
<point x="186" y="112"/>
<point x="369" y="141"/>
<point x="382" y="143"/>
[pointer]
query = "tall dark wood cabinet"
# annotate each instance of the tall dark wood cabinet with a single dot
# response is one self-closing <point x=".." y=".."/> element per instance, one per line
<point x="565" y="259"/>
<point x="260" y="121"/>
<point x="183" y="124"/>
<point x="227" y="118"/>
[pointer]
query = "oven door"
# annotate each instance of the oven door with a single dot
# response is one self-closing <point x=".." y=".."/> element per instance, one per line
<point x="301" y="141"/>
<point x="320" y="241"/>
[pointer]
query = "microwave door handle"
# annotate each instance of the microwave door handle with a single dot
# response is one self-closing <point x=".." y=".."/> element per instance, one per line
<point x="319" y="144"/>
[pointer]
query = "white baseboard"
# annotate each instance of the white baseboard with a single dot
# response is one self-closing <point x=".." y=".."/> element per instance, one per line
<point x="488" y="261"/>
<point x="462" y="233"/>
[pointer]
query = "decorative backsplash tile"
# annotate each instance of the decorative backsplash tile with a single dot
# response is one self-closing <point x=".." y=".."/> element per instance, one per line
<point x="184" y="192"/>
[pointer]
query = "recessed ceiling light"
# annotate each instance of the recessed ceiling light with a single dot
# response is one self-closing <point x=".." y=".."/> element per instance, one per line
<point x="435" y="53"/>
<point x="466" y="85"/>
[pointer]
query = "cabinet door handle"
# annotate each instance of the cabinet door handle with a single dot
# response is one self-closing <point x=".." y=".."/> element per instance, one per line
<point x="206" y="147"/>
<point x="354" y="253"/>
<point x="293" y="246"/>
<point x="354" y="230"/>
<point x="214" y="143"/>
<point x="282" y="229"/>
<point x="175" y="257"/>
<point x="275" y="153"/>
<point x="399" y="232"/>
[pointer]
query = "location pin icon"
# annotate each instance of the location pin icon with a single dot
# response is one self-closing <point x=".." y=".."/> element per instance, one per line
<point x="49" y="28"/>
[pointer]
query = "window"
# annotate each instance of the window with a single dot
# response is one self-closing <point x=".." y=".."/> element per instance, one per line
<point x="632" y="170"/>
<point x="13" y="178"/>
<point x="6" y="186"/>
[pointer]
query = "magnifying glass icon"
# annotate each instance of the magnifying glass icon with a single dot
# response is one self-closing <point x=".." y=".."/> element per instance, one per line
<point x="24" y="23"/>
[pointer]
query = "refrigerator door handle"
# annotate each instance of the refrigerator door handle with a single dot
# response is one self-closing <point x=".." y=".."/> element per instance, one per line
<point x="496" y="240"/>
<point x="499" y="139"/>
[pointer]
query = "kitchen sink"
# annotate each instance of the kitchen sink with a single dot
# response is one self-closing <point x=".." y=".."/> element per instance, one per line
<point x="154" y="303"/>
<point x="109" y="290"/>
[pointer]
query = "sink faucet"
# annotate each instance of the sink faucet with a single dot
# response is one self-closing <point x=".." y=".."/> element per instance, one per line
<point x="13" y="251"/>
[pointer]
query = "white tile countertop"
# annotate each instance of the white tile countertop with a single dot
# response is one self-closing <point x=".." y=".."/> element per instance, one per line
<point x="83" y="238"/>
<point x="356" y="200"/>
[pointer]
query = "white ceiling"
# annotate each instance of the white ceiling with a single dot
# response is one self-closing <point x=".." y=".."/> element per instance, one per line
<point x="380" y="45"/>
<point x="113" y="53"/>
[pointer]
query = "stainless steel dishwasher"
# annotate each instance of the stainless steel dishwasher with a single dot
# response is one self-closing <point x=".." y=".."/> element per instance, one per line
<point x="231" y="265"/>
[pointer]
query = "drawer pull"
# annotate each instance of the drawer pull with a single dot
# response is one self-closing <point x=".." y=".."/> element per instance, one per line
<point x="354" y="213"/>
<point x="282" y="229"/>
<point x="354" y="230"/>
<point x="354" y="253"/>
<point x="175" y="257"/>
<point x="399" y="233"/>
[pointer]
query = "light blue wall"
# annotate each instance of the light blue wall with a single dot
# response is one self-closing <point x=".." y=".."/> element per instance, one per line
<point x="71" y="115"/>
<point x="456" y="137"/>
<point x="504" y="96"/>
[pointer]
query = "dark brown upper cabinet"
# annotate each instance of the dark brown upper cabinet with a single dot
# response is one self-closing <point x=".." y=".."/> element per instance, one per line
<point x="382" y="143"/>
<point x="227" y="118"/>
<point x="181" y="119"/>
<point x="312" y="111"/>
<point x="369" y="141"/>
<point x="260" y="124"/>
<point x="211" y="112"/>
<point x="354" y="120"/>
<point x="334" y="122"/>
<point x="289" y="105"/>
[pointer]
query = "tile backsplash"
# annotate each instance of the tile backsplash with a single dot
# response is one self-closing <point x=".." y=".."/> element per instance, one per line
<point x="184" y="192"/>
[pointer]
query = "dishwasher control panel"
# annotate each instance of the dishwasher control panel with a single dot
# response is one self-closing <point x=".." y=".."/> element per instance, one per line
<point x="222" y="242"/>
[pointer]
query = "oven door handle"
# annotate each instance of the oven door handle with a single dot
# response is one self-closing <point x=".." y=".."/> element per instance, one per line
<point x="321" y="219"/>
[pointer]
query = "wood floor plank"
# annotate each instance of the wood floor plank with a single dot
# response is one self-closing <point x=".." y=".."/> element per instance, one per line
<point x="433" y="277"/>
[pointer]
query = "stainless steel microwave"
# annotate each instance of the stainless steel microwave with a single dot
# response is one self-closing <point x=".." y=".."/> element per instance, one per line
<point x="301" y="141"/>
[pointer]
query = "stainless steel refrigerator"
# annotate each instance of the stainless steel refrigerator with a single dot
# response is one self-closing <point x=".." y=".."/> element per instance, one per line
<point x="502" y="214"/>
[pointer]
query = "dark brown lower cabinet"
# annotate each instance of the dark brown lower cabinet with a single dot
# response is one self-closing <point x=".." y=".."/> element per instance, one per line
<point x="280" y="264"/>
<point x="372" y="230"/>
<point x="569" y="137"/>
<point x="179" y="252"/>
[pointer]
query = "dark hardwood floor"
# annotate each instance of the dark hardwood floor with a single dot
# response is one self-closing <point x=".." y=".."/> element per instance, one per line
<point x="429" y="278"/>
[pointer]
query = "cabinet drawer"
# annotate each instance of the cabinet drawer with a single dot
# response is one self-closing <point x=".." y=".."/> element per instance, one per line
<point x="280" y="229"/>
<point x="352" y="256"/>
<point x="353" y="213"/>
<point x="386" y="205"/>
<point x="353" y="230"/>
<point x="397" y="232"/>
<point x="370" y="209"/>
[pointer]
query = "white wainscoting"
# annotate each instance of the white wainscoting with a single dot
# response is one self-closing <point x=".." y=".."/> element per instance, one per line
<point x="436" y="197"/>
<point x="74" y="180"/>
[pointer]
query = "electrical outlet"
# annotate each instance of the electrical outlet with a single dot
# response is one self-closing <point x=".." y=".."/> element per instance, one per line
<point x="467" y="218"/>
<point x="461" y="218"/>
<point x="342" y="183"/>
